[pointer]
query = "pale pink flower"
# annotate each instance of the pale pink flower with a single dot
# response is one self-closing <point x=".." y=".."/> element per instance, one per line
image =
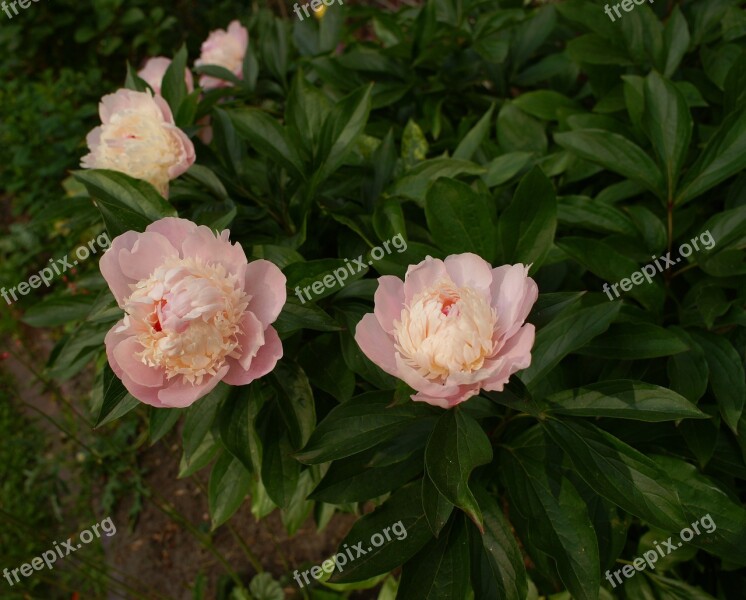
<point x="196" y="312"/>
<point x="224" y="48"/>
<point x="138" y="136"/>
<point x="154" y="70"/>
<point x="451" y="327"/>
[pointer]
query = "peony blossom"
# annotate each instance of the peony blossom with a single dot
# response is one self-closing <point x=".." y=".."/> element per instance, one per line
<point x="224" y="49"/>
<point x="451" y="327"/>
<point x="138" y="136"/>
<point x="196" y="312"/>
<point x="154" y="70"/>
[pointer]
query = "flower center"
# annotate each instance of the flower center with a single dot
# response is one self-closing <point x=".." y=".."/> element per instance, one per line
<point x="445" y="330"/>
<point x="137" y="143"/>
<point x="187" y="317"/>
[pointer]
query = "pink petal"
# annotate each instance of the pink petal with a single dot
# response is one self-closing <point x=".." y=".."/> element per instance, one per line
<point x="147" y="254"/>
<point x="146" y="395"/>
<point x="376" y="344"/>
<point x="204" y="246"/>
<point x="187" y="155"/>
<point x="265" y="283"/>
<point x="262" y="363"/>
<point x="423" y="276"/>
<point x="125" y="354"/>
<point x="516" y="356"/>
<point x="178" y="393"/>
<point x="251" y="338"/>
<point x="469" y="270"/>
<point x="175" y="230"/>
<point x="389" y="301"/>
<point x="513" y="294"/>
<point x="118" y="282"/>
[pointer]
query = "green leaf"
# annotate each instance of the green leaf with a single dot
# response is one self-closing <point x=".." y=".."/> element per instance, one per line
<point x="437" y="508"/>
<point x="173" y="86"/>
<point x="505" y="167"/>
<point x="723" y="157"/>
<point x="603" y="260"/>
<point x="359" y="424"/>
<point x="668" y="124"/>
<point x="567" y="334"/>
<point x="727" y="378"/>
<point x="295" y="399"/>
<point x="299" y="507"/>
<point x="58" y="310"/>
<point x="472" y="140"/>
<point x="264" y="587"/>
<point x="229" y="484"/>
<point x="280" y="471"/>
<point x="161" y="422"/>
<point x="218" y="72"/>
<point x="676" y="40"/>
<point x="456" y="447"/>
<point x="498" y="562"/>
<point x="133" y="81"/>
<point x="302" y="275"/>
<point x="440" y="571"/>
<point x="638" y="342"/>
<point x="518" y="132"/>
<point x="619" y="473"/>
<point x="116" y="400"/>
<point x="526" y="228"/>
<point x="322" y="360"/>
<point x="624" y="399"/>
<point x="551" y="515"/>
<point x="199" y="418"/>
<point x="403" y="510"/>
<point x="594" y="49"/>
<point x="549" y="306"/>
<point x="307" y="108"/>
<point x="126" y="204"/>
<point x="460" y="219"/>
<point x="295" y="316"/>
<point x="237" y="424"/>
<point x="358" y="478"/>
<point x="615" y="153"/>
<point x="415" y="183"/>
<point x="341" y="130"/>
<point x="267" y="137"/>
<point x="701" y="437"/>
<point x="199" y="458"/>
<point x="414" y="146"/>
<point x="544" y="104"/>
<point x="688" y="372"/>
<point x="701" y="496"/>
<point x="586" y="213"/>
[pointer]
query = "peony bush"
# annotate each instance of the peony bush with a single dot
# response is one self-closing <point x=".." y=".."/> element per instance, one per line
<point x="479" y="387"/>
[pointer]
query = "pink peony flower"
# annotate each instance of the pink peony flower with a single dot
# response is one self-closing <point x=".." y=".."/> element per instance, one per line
<point x="154" y="70"/>
<point x="196" y="312"/>
<point x="138" y="136"/>
<point x="451" y="327"/>
<point x="224" y="49"/>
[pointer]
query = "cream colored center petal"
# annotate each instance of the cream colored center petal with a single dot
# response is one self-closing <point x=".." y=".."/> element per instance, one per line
<point x="140" y="144"/>
<point x="445" y="330"/>
<point x="188" y="317"/>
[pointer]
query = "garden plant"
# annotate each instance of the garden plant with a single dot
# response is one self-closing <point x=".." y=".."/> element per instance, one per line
<point x="472" y="271"/>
